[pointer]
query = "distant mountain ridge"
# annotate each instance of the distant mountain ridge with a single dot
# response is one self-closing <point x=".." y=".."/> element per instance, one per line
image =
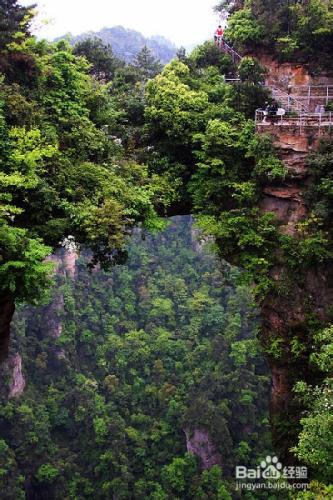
<point x="126" y="43"/>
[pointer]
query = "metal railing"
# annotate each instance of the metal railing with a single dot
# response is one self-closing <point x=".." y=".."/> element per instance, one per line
<point x="224" y="47"/>
<point x="289" y="101"/>
<point x="311" y="91"/>
<point x="303" y="121"/>
<point x="307" y="97"/>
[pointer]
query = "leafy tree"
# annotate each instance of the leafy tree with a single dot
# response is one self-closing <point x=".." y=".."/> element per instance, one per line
<point x="47" y="473"/>
<point x="127" y="378"/>
<point x="302" y="30"/>
<point x="209" y="54"/>
<point x="101" y="57"/>
<point x="11" y="481"/>
<point x="315" y="439"/>
<point x="250" y="70"/>
<point x="14" y="20"/>
<point x="61" y="173"/>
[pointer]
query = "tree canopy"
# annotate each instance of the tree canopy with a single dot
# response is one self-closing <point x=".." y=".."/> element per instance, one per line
<point x="290" y="29"/>
<point x="93" y="150"/>
<point x="61" y="172"/>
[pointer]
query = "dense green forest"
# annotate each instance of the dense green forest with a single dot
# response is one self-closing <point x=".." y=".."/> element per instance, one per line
<point x="158" y="347"/>
<point x="291" y="30"/>
<point x="158" y="335"/>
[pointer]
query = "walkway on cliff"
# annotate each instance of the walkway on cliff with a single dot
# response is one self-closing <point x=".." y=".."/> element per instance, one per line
<point x="227" y="49"/>
<point x="302" y="98"/>
<point x="305" y="105"/>
<point x="299" y="122"/>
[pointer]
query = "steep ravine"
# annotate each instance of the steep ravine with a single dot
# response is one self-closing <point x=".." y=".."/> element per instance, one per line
<point x="165" y="344"/>
<point x="284" y="316"/>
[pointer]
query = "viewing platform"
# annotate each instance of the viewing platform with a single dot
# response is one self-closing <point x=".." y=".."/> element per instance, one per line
<point x="303" y="98"/>
<point x="317" y="124"/>
<point x="312" y="95"/>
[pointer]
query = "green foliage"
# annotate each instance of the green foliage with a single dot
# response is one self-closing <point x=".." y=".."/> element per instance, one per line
<point x="14" y="21"/>
<point x="315" y="440"/>
<point x="320" y="192"/>
<point x="11" y="482"/>
<point x="244" y="28"/>
<point x="293" y="30"/>
<point x="247" y="239"/>
<point x="316" y="437"/>
<point x="61" y="171"/>
<point x="316" y="491"/>
<point x="149" y="349"/>
<point x="177" y="475"/>
<point x="22" y="270"/>
<point x="100" y="56"/>
<point x="47" y="473"/>
<point x="147" y="64"/>
<point x="198" y="125"/>
<point x="250" y="70"/>
<point x="89" y="150"/>
<point x="322" y="358"/>
<point x="173" y="108"/>
<point x="208" y="54"/>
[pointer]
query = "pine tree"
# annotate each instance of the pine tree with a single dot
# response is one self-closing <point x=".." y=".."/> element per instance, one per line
<point x="147" y="64"/>
<point x="181" y="54"/>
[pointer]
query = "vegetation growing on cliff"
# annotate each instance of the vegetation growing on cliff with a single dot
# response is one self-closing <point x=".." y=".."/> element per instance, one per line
<point x="315" y="439"/>
<point x="288" y="29"/>
<point x="158" y="347"/>
<point x="91" y="147"/>
<point x="62" y="172"/>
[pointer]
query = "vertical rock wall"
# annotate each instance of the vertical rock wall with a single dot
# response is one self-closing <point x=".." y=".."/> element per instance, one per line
<point x="12" y="380"/>
<point x="17" y="383"/>
<point x="200" y="444"/>
<point x="283" y="316"/>
<point x="65" y="266"/>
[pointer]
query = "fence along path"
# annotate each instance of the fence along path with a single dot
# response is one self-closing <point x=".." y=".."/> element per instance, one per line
<point x="297" y="99"/>
<point x="290" y="102"/>
<point x="323" y="122"/>
<point x="224" y="47"/>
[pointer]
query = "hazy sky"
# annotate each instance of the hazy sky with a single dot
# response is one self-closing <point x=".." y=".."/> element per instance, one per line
<point x="184" y="22"/>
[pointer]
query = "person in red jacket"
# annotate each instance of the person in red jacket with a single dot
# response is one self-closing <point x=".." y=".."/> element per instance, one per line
<point x="218" y="35"/>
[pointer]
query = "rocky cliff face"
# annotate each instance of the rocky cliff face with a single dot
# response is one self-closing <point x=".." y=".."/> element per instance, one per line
<point x="12" y="377"/>
<point x="200" y="444"/>
<point x="288" y="73"/>
<point x="17" y="383"/>
<point x="7" y="308"/>
<point x="286" y="199"/>
<point x="284" y="316"/>
<point x="65" y="267"/>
